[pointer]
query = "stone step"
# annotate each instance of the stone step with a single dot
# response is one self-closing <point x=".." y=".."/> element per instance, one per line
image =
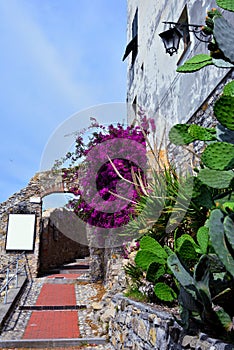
<point x="73" y="271"/>
<point x="50" y="343"/>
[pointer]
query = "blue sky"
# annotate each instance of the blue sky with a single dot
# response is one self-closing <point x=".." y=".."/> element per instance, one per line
<point x="58" y="57"/>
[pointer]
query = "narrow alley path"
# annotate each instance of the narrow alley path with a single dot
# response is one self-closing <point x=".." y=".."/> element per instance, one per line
<point x="55" y="308"/>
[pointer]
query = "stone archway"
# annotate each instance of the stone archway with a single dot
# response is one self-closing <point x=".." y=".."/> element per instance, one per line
<point x="52" y="247"/>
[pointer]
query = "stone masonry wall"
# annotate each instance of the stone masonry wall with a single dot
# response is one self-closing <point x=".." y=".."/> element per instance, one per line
<point x="56" y="248"/>
<point x="139" y="326"/>
<point x="40" y="185"/>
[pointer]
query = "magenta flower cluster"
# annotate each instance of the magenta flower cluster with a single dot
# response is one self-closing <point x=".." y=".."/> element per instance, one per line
<point x="106" y="187"/>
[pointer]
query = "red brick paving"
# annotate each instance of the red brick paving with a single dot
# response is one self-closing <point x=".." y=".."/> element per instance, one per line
<point x="52" y="325"/>
<point x="57" y="295"/>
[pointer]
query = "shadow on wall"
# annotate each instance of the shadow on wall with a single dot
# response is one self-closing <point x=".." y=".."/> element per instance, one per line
<point x="62" y="240"/>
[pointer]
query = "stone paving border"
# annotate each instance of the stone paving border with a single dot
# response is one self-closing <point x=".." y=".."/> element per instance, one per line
<point x="41" y="343"/>
<point x="12" y="297"/>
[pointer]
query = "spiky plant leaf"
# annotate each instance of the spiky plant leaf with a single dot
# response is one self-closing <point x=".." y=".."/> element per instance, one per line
<point x="226" y="4"/>
<point x="150" y="244"/>
<point x="179" y="135"/>
<point x="225" y="319"/>
<point x="216" y="178"/>
<point x="164" y="292"/>
<point x="224" y="111"/>
<point x="201" y="133"/>
<point x="217" y="237"/>
<point x="219" y="156"/>
<point x="229" y="230"/>
<point x="181" y="274"/>
<point x="224" y="33"/>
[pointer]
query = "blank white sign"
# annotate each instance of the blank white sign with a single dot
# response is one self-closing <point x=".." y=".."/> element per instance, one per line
<point x="20" y="232"/>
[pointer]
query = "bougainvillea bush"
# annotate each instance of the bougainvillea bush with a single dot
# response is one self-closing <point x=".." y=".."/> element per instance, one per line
<point x="107" y="170"/>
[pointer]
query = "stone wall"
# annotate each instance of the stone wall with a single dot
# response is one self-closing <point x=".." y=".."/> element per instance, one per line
<point x="39" y="186"/>
<point x="55" y="247"/>
<point x="139" y="326"/>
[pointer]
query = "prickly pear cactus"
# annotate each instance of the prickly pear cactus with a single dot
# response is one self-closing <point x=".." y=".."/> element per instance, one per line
<point x="224" y="111"/>
<point x="195" y="63"/>
<point x="155" y="271"/>
<point x="201" y="133"/>
<point x="183" y="134"/>
<point x="179" y="135"/>
<point x="151" y="252"/>
<point x="226" y="4"/>
<point x="216" y="178"/>
<point x="144" y="258"/>
<point x="164" y="292"/>
<point x="151" y="245"/>
<point x="228" y="89"/>
<point x="219" y="156"/>
<point x="203" y="238"/>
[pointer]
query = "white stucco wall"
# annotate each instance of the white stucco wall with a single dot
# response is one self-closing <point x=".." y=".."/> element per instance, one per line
<point x="164" y="94"/>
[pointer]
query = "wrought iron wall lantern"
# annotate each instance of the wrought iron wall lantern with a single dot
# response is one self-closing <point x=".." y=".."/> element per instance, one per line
<point x="171" y="37"/>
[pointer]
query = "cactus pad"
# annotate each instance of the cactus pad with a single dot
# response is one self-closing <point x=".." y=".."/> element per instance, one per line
<point x="150" y="244"/>
<point x="201" y="133"/>
<point x="154" y="271"/>
<point x="226" y="4"/>
<point x="195" y="63"/>
<point x="228" y="89"/>
<point x="144" y="258"/>
<point x="164" y="292"/>
<point x="216" y="178"/>
<point x="219" y="156"/>
<point x="179" y="135"/>
<point x="224" y="111"/>
<point x="203" y="238"/>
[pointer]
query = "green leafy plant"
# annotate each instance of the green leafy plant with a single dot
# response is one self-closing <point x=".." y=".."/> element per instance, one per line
<point x="152" y="258"/>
